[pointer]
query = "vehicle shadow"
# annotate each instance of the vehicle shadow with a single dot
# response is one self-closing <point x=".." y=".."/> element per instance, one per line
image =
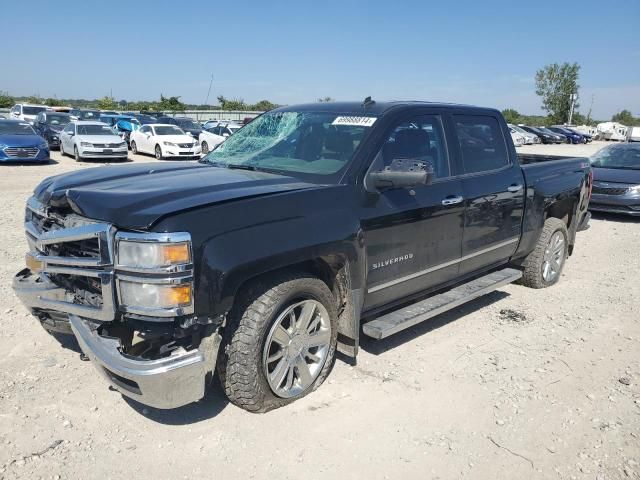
<point x="378" y="347"/>
<point x="213" y="402"/>
<point x="102" y="161"/>
<point x="614" y="217"/>
<point x="51" y="161"/>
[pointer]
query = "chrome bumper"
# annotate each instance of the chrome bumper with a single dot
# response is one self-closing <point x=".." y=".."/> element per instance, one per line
<point x="168" y="382"/>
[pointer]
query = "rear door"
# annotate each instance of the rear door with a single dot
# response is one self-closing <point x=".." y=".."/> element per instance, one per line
<point x="493" y="189"/>
<point x="413" y="236"/>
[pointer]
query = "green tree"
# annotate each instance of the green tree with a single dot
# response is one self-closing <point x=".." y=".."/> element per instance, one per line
<point x="555" y="84"/>
<point x="263" y="106"/>
<point x="53" y="102"/>
<point x="511" y="115"/>
<point x="34" y="99"/>
<point x="232" y="104"/>
<point x="172" y="104"/>
<point x="107" y="103"/>
<point x="6" y="100"/>
<point x="625" y="117"/>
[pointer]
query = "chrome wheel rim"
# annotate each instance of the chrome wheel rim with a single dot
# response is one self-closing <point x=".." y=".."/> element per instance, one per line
<point x="158" y="153"/>
<point x="553" y="257"/>
<point x="205" y="148"/>
<point x="134" y="149"/>
<point x="296" y="348"/>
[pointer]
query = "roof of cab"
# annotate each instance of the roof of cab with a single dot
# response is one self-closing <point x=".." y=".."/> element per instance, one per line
<point x="375" y="108"/>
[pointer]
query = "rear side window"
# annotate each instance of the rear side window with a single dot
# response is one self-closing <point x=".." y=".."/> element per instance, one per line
<point x="481" y="143"/>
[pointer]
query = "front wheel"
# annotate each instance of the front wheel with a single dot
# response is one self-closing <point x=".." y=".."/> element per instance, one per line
<point x="543" y="266"/>
<point x="280" y="342"/>
<point x="134" y="147"/>
<point x="62" y="154"/>
<point x="159" y="153"/>
<point x="76" y="154"/>
<point x="205" y="148"/>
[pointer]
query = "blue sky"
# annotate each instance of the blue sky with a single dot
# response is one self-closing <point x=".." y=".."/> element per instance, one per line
<point x="288" y="52"/>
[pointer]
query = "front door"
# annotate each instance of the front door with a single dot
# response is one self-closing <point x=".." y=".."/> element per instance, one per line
<point x="413" y="236"/>
<point x="493" y="187"/>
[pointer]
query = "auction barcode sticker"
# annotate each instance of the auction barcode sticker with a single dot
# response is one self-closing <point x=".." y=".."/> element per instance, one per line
<point x="358" y="121"/>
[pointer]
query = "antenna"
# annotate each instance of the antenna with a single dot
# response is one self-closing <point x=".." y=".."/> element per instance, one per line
<point x="368" y="102"/>
<point x="206" y="102"/>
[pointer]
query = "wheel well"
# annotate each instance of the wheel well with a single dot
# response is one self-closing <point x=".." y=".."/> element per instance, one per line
<point x="562" y="209"/>
<point x="329" y="269"/>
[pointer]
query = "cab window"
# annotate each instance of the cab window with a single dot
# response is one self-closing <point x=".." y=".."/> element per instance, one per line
<point x="482" y="143"/>
<point x="420" y="138"/>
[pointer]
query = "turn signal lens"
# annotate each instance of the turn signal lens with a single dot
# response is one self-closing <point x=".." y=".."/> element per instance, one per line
<point x="178" y="295"/>
<point x="176" y="253"/>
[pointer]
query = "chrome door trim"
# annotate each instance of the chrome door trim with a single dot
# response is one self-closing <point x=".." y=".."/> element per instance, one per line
<point x="442" y="265"/>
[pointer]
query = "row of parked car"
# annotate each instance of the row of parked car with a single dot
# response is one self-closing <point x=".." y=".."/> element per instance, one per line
<point x="90" y="133"/>
<point x="527" y="135"/>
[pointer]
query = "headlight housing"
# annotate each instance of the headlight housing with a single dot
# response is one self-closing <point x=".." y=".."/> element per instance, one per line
<point x="86" y="144"/>
<point x="162" y="252"/>
<point x="169" y="144"/>
<point x="635" y="190"/>
<point x="142" y="297"/>
<point x="43" y="146"/>
<point x="154" y="273"/>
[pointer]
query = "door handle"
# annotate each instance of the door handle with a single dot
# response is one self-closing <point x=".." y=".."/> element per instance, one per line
<point x="514" y="188"/>
<point x="451" y="200"/>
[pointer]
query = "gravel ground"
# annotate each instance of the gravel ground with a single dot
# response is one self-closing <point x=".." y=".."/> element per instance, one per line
<point x="523" y="384"/>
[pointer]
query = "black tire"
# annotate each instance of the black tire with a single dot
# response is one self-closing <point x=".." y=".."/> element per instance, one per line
<point x="205" y="148"/>
<point x="62" y="154"/>
<point x="134" y="147"/>
<point x="534" y="263"/>
<point x="240" y="365"/>
<point x="158" y="151"/>
<point x="76" y="154"/>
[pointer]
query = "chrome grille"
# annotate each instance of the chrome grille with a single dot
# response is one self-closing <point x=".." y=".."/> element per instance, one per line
<point x="21" y="152"/>
<point x="76" y="255"/>
<point x="609" y="188"/>
<point x="106" y="145"/>
<point x="186" y="145"/>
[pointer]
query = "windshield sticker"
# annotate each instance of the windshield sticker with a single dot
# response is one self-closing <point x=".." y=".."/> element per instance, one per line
<point x="357" y="121"/>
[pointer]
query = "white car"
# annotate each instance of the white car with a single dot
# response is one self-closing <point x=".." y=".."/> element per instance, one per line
<point x="26" y="112"/>
<point x="518" y="140"/>
<point x="214" y="136"/>
<point x="529" y="138"/>
<point x="91" y="140"/>
<point x="164" y="141"/>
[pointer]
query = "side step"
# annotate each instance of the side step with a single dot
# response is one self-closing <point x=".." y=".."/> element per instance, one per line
<point x="409" y="316"/>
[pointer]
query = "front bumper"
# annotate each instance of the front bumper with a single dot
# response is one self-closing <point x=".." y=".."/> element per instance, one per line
<point x="182" y="152"/>
<point x="97" y="152"/>
<point x="168" y="382"/>
<point x="624" y="204"/>
<point x="42" y="155"/>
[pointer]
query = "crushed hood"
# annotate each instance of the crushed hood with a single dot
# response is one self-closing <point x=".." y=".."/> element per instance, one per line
<point x="137" y="196"/>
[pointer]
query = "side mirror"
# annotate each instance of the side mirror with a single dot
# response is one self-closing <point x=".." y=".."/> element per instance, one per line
<point x="402" y="173"/>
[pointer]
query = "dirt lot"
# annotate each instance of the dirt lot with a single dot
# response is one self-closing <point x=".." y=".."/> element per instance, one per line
<point x="519" y="384"/>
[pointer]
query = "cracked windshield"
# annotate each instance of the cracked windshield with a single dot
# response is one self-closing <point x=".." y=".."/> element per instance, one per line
<point x="314" y="143"/>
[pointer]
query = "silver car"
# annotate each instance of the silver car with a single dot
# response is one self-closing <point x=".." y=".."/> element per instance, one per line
<point x="91" y="140"/>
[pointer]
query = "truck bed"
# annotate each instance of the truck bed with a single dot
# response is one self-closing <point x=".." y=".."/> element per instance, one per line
<point x="532" y="158"/>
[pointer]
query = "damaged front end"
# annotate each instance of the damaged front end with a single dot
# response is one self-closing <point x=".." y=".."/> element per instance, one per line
<point x="126" y="296"/>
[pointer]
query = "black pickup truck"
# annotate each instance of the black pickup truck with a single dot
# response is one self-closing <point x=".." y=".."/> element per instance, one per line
<point x="311" y="225"/>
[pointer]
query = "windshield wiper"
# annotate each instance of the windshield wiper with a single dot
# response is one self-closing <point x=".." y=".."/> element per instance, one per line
<point x="242" y="166"/>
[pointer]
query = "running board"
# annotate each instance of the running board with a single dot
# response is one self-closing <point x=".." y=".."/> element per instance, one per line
<point x="409" y="316"/>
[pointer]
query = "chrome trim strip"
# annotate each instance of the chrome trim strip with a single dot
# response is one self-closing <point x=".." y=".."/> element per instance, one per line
<point x="441" y="266"/>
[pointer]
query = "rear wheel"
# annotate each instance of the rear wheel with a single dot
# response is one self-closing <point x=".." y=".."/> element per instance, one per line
<point x="159" y="152"/>
<point x="280" y="342"/>
<point x="543" y="266"/>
